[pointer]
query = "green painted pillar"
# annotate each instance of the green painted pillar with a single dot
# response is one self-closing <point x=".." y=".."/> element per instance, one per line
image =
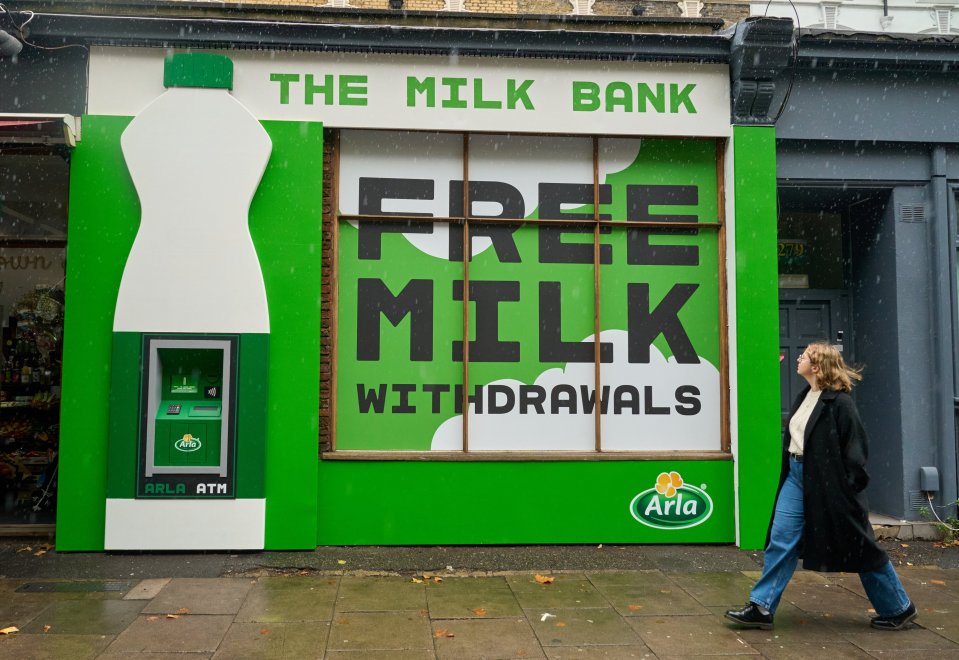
<point x="757" y="330"/>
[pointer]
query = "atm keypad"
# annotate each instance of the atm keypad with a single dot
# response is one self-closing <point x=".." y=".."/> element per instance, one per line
<point x="173" y="409"/>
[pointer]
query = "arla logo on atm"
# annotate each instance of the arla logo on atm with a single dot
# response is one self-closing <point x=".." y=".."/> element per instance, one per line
<point x="187" y="443"/>
<point x="672" y="504"/>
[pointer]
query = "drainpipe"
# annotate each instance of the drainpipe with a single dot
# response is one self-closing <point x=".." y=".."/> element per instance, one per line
<point x="943" y="242"/>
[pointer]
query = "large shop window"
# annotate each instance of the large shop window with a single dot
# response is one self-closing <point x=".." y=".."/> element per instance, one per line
<point x="33" y="233"/>
<point x="593" y="297"/>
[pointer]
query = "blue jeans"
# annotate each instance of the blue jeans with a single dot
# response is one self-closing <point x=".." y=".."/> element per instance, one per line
<point x="882" y="586"/>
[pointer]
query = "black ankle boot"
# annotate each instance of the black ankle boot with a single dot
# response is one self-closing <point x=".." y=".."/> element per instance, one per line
<point x="752" y="616"/>
<point x="897" y="622"/>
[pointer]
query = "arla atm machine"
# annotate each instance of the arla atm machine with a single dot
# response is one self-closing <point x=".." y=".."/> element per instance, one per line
<point x="188" y="426"/>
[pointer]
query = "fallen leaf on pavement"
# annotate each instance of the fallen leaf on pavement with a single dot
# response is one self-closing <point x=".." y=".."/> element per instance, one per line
<point x="903" y="545"/>
<point x="47" y="628"/>
<point x="417" y="581"/>
<point x="560" y="624"/>
<point x="152" y="618"/>
<point x="183" y="610"/>
<point x="600" y="545"/>
<point x="437" y="578"/>
<point x="939" y="582"/>
<point x="442" y="632"/>
<point x="871" y="611"/>
<point x="480" y="611"/>
<point x="635" y="608"/>
<point x="9" y="631"/>
<point x="265" y="631"/>
<point x="25" y="548"/>
<point x="173" y="616"/>
<point x="39" y="553"/>
<point x="544" y="579"/>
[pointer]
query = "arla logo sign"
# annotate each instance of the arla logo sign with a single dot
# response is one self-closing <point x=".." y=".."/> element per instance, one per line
<point x="671" y="504"/>
<point x="187" y="443"/>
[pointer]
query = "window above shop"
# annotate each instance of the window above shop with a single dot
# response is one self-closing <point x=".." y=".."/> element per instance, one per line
<point x="33" y="196"/>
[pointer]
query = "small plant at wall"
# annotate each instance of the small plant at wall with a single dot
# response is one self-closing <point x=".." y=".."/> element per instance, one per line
<point x="948" y="528"/>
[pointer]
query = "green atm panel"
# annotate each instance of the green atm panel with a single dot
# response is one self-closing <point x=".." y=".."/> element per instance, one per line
<point x="188" y="407"/>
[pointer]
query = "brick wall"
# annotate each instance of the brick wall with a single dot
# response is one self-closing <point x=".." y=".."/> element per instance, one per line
<point x="730" y="11"/>
<point x="326" y="293"/>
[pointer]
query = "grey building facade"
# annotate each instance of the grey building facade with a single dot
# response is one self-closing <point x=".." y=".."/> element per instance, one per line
<point x="868" y="176"/>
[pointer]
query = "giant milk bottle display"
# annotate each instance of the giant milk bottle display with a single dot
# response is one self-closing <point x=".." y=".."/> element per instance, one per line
<point x="192" y="316"/>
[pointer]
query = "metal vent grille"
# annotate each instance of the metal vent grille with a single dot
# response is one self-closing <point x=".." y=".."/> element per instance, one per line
<point x="691" y="8"/>
<point x="582" y="7"/>
<point x="830" y="14"/>
<point x="911" y="213"/>
<point x="917" y="500"/>
<point x="943" y="20"/>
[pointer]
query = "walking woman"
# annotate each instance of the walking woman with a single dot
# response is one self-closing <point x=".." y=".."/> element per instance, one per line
<point x="821" y="513"/>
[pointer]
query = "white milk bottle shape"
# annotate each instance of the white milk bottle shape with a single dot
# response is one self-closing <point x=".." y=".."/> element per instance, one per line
<point x="196" y="156"/>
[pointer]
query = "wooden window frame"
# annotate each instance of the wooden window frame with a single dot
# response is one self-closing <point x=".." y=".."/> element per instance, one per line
<point x="329" y="340"/>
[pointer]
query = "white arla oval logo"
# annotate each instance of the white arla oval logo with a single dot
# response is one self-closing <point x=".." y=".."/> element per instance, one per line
<point x="671" y="504"/>
<point x="187" y="443"/>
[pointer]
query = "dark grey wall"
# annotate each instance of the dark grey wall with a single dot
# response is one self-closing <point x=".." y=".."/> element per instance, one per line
<point x="875" y="308"/>
<point x="858" y="105"/>
<point x="902" y="287"/>
<point x="44" y="81"/>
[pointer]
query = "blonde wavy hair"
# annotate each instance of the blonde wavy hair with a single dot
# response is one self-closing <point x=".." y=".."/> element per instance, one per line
<point x="834" y="373"/>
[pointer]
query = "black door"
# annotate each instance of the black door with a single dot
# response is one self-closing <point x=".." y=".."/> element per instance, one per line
<point x="805" y="316"/>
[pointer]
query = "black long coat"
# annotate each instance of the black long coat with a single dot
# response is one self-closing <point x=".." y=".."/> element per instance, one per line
<point x="837" y="535"/>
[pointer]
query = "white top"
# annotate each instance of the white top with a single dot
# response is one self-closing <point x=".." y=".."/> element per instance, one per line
<point x="196" y="157"/>
<point x="797" y="423"/>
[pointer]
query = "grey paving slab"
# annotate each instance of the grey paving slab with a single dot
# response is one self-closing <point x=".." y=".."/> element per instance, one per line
<point x="85" y="617"/>
<point x="146" y="589"/>
<point x="366" y="594"/>
<point x="192" y="633"/>
<point x="606" y="579"/>
<point x="636" y="601"/>
<point x="154" y="656"/>
<point x="567" y="590"/>
<point x="913" y="639"/>
<point x="8" y="585"/>
<point x="52" y="647"/>
<point x="582" y="627"/>
<point x="807" y="650"/>
<point x="943" y="654"/>
<point x="689" y="635"/>
<point x="598" y="652"/>
<point x="824" y="597"/>
<point x="275" y="641"/>
<point x="929" y="594"/>
<point x="464" y="598"/>
<point x="407" y="654"/>
<point x="19" y="609"/>
<point x="291" y="599"/>
<point x="726" y="589"/>
<point x="943" y="623"/>
<point x="201" y="596"/>
<point x="459" y="639"/>
<point x="380" y="631"/>
<point x="792" y="626"/>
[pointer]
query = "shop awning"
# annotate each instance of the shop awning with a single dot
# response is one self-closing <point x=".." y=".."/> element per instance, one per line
<point x="39" y="129"/>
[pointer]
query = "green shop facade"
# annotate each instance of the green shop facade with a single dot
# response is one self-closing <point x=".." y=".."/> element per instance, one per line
<point x="402" y="293"/>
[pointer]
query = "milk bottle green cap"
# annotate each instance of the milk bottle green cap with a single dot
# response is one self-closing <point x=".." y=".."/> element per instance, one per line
<point x="198" y="70"/>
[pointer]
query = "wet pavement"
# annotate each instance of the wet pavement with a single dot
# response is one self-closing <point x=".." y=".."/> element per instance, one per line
<point x="455" y="603"/>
